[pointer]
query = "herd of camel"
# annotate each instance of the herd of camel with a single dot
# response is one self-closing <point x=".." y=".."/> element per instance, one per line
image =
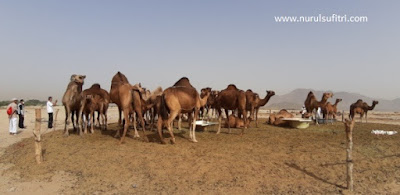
<point x="136" y="103"/>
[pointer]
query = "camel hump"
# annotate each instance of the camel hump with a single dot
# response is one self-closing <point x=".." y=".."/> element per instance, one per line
<point x="249" y="90"/>
<point x="184" y="82"/>
<point x="231" y="87"/>
<point x="95" y="86"/>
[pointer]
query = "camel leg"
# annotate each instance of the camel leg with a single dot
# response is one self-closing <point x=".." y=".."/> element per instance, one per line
<point x="119" y="119"/>
<point x="159" y="129"/>
<point x="140" y="115"/>
<point x="152" y="119"/>
<point x="366" y="118"/>
<point x="172" y="116"/>
<point x="190" y="126"/>
<point x="219" y="120"/>
<point x="67" y="112"/>
<point x="257" y="118"/>
<point x="227" y="118"/>
<point x="196" y="112"/>
<point x="135" y="125"/>
<point x="180" y="122"/>
<point x="244" y="120"/>
<point x="92" y="127"/>
<point x="126" y="126"/>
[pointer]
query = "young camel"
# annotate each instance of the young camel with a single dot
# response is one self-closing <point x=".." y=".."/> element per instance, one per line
<point x="329" y="111"/>
<point x="72" y="101"/>
<point x="94" y="99"/>
<point x="180" y="98"/>
<point x="236" y="122"/>
<point x="262" y="102"/>
<point x="231" y="98"/>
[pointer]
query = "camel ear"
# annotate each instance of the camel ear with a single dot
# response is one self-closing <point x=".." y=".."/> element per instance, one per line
<point x="83" y="76"/>
<point x="73" y="77"/>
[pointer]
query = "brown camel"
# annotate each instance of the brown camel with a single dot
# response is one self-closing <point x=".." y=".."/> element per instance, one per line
<point x="262" y="102"/>
<point x="72" y="101"/>
<point x="95" y="99"/>
<point x="236" y="122"/>
<point x="312" y="103"/>
<point x="231" y="98"/>
<point x="205" y="107"/>
<point x="361" y="107"/>
<point x="129" y="100"/>
<point x="329" y="111"/>
<point x="276" y="119"/>
<point x="180" y="98"/>
<point x="251" y="102"/>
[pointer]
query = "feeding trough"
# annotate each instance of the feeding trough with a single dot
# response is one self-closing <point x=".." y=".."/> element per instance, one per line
<point x="298" y="123"/>
<point x="203" y="124"/>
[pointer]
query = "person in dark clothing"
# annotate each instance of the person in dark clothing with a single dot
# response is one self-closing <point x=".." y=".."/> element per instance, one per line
<point x="21" y="114"/>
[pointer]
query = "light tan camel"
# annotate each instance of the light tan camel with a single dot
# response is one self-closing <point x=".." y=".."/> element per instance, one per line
<point x="262" y="102"/>
<point x="361" y="107"/>
<point x="236" y="122"/>
<point x="276" y="119"/>
<point x="180" y="98"/>
<point x="330" y="111"/>
<point x="231" y="98"/>
<point x="129" y="100"/>
<point x="72" y="101"/>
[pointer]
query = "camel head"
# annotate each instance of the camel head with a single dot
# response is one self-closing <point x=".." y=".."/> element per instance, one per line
<point x="78" y="78"/>
<point x="270" y="93"/>
<point x="327" y="95"/>
<point x="375" y="102"/>
<point x="338" y="100"/>
<point x="205" y="91"/>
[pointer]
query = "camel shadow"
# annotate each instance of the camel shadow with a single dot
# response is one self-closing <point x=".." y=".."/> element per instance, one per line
<point x="297" y="167"/>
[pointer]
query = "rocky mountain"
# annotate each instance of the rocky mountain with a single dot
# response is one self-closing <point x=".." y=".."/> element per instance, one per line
<point x="295" y="100"/>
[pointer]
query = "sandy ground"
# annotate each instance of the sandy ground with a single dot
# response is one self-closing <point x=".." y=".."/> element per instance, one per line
<point x="266" y="160"/>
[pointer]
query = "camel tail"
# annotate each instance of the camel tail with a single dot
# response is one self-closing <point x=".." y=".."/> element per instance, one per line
<point x="163" y="108"/>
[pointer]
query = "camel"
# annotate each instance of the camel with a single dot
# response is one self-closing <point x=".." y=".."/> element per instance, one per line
<point x="129" y="100"/>
<point x="330" y="110"/>
<point x="361" y="107"/>
<point x="206" y="106"/>
<point x="95" y="99"/>
<point x="276" y="119"/>
<point x="262" y="102"/>
<point x="180" y="98"/>
<point x="251" y="102"/>
<point x="236" y="122"/>
<point x="312" y="103"/>
<point x="231" y="98"/>
<point x="72" y="101"/>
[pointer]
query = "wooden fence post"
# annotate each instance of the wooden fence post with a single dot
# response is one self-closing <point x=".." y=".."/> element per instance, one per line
<point x="349" y="125"/>
<point x="55" y="120"/>
<point x="38" y="136"/>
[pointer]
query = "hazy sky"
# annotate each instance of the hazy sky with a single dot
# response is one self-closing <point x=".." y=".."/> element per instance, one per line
<point x="213" y="43"/>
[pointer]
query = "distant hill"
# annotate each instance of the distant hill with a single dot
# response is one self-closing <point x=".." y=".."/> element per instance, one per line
<point x="295" y="100"/>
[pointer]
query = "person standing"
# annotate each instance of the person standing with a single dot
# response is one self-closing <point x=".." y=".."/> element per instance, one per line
<point x="12" y="116"/>
<point x="50" y="110"/>
<point x="21" y="114"/>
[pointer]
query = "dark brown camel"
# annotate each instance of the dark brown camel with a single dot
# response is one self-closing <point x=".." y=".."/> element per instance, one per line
<point x="251" y="102"/>
<point x="129" y="100"/>
<point x="361" y="107"/>
<point x="72" y="101"/>
<point x="180" y="98"/>
<point x="262" y="102"/>
<point x="231" y="98"/>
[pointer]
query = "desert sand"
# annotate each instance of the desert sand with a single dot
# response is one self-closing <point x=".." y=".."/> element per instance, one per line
<point x="265" y="160"/>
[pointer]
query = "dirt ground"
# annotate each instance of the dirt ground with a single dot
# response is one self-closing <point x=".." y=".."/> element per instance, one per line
<point x="266" y="160"/>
